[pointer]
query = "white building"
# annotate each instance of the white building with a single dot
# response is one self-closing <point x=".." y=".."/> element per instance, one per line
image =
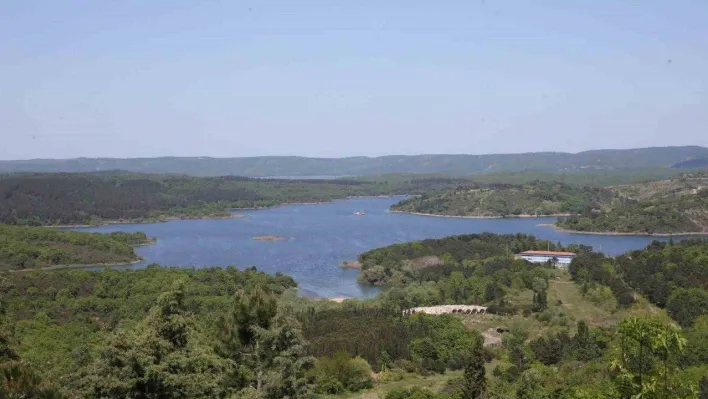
<point x="560" y="259"/>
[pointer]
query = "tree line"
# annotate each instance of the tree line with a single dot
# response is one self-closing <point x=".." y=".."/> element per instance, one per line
<point x="92" y="198"/>
<point x="24" y="247"/>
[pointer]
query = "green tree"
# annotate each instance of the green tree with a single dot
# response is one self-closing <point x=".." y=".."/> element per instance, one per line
<point x="281" y="351"/>
<point x="163" y="356"/>
<point x="238" y="333"/>
<point x="264" y="346"/>
<point x="584" y="346"/>
<point x="18" y="380"/>
<point x="647" y="363"/>
<point x="474" y="379"/>
<point x="341" y="372"/>
<point x="540" y="294"/>
<point x="685" y="305"/>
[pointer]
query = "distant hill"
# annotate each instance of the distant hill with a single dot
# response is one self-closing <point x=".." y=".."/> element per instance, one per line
<point x="692" y="163"/>
<point x="360" y="166"/>
<point x="97" y="198"/>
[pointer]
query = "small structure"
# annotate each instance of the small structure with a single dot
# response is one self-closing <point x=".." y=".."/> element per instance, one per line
<point x="558" y="259"/>
<point x="442" y="309"/>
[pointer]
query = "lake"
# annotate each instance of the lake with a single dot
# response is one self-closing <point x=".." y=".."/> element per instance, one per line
<point x="322" y="236"/>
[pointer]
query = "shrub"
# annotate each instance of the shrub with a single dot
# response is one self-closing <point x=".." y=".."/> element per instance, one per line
<point x="341" y="372"/>
<point x="391" y="375"/>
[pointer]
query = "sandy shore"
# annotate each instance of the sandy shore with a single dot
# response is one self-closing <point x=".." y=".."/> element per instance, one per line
<point x="338" y="299"/>
<point x="351" y="265"/>
<point x="269" y="238"/>
<point x="482" y="217"/>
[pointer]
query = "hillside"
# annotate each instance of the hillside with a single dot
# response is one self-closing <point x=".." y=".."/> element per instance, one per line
<point x="507" y="200"/>
<point x="23" y="247"/>
<point x="663" y="207"/>
<point x="459" y="164"/>
<point x="94" y="198"/>
<point x="547" y="333"/>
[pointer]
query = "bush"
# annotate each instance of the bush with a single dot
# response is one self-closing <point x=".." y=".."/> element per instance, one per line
<point x="391" y="375"/>
<point x="341" y="372"/>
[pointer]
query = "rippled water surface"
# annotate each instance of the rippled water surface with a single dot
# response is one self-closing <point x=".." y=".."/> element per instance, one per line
<point x="320" y="237"/>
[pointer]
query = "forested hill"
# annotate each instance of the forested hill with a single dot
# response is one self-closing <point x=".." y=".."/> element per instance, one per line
<point x="662" y="207"/>
<point x="508" y="200"/>
<point x="23" y="247"/>
<point x="92" y="198"/>
<point x="460" y="164"/>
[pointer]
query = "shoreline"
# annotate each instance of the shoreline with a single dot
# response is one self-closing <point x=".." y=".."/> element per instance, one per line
<point x="77" y="266"/>
<point x="618" y="233"/>
<point x="522" y="216"/>
<point x="117" y="222"/>
<point x="211" y="217"/>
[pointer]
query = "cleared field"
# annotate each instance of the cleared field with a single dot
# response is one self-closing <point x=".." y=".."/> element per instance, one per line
<point x="433" y="382"/>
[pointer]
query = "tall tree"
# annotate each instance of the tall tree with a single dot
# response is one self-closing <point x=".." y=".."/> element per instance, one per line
<point x="283" y="353"/>
<point x="164" y="356"/>
<point x="265" y="347"/>
<point x="474" y="379"/>
<point x="647" y="362"/>
<point x="237" y="341"/>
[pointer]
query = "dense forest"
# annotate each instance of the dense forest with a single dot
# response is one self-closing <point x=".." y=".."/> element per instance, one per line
<point x="662" y="207"/>
<point x="169" y="333"/>
<point x="58" y="199"/>
<point x="24" y="247"/>
<point x="457" y="165"/>
<point x="674" y="206"/>
<point x="493" y="200"/>
<point x="670" y="275"/>
<point x="226" y="333"/>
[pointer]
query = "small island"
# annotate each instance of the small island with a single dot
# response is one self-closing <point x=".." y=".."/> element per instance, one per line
<point x="269" y="238"/>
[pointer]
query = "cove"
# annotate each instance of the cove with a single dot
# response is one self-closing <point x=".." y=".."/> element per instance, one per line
<point x="318" y="238"/>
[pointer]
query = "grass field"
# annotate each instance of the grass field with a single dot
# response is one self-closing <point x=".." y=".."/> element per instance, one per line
<point x="433" y="382"/>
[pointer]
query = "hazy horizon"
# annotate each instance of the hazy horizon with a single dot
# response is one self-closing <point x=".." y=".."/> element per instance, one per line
<point x="135" y="79"/>
<point x="355" y="156"/>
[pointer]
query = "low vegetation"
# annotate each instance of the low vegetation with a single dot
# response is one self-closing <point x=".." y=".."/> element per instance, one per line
<point x="498" y="200"/>
<point x="675" y="206"/>
<point x="23" y="247"/>
<point x="226" y="333"/>
<point x="662" y="207"/>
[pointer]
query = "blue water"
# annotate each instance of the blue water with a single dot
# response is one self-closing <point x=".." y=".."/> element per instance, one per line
<point x="321" y="237"/>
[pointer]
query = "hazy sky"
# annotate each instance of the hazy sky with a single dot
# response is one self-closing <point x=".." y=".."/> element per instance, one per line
<point x="130" y="78"/>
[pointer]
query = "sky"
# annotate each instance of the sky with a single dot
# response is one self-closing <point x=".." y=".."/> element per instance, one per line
<point x="328" y="78"/>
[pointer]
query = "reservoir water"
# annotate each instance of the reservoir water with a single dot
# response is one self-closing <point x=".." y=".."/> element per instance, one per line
<point x="322" y="236"/>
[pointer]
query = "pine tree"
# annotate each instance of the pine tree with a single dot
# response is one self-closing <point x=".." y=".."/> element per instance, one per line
<point x="265" y="347"/>
<point x="285" y="359"/>
<point x="252" y="312"/>
<point x="474" y="379"/>
<point x="164" y="356"/>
